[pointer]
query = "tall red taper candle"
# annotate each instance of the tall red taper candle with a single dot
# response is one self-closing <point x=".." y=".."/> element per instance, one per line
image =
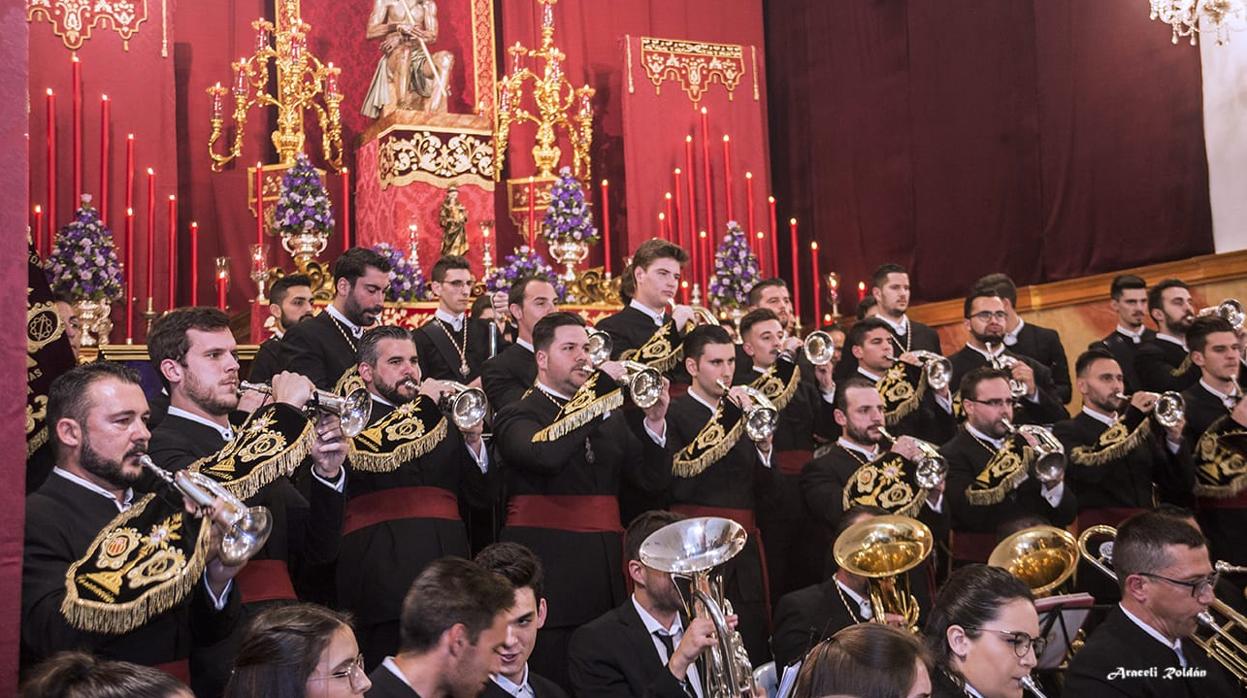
<point x="259" y="204"/>
<point x="705" y="167"/>
<point x="76" y="100"/>
<point x="664" y="231"/>
<point x="51" y="106"/>
<point x="129" y="170"/>
<point x="749" y="229"/>
<point x="770" y="202"/>
<point x="678" y="221"/>
<point x="692" y="207"/>
<point x="703" y="243"/>
<point x="532" y="215"/>
<point x="861" y="291"/>
<point x="150" y="251"/>
<point x="346" y="209"/>
<point x="727" y="177"/>
<point x="38" y="230"/>
<point x="818" y="301"/>
<point x="796" y="275"/>
<point x="173" y="250"/>
<point x="129" y="299"/>
<point x="672" y="234"/>
<point x="194" y="263"/>
<point x="761" y="242"/>
<point x="105" y="108"/>
<point x="606" y="226"/>
<point x="220" y="291"/>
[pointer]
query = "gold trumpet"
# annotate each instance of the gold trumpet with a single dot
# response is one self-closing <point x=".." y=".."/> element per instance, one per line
<point x="882" y="549"/>
<point x="1043" y="557"/>
<point x="1225" y="639"/>
<point x="353" y="410"/>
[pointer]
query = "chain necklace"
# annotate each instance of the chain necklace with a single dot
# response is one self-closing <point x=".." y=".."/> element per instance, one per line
<point x="344" y="334"/>
<point x="461" y="347"/>
<point x="909" y="335"/>
<point x="855" y="615"/>
<point x="853" y="454"/>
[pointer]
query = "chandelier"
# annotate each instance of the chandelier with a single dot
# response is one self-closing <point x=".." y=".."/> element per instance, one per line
<point x="1221" y="16"/>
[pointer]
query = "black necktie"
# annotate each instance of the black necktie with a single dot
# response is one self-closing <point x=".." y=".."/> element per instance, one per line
<point x="668" y="643"/>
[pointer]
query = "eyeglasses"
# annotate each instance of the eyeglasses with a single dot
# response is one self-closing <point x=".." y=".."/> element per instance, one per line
<point x="994" y="402"/>
<point x="1022" y="643"/>
<point x="988" y="316"/>
<point x="1199" y="587"/>
<point x="354" y="672"/>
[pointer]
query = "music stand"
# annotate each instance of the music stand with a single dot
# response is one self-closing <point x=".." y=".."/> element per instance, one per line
<point x="1060" y="618"/>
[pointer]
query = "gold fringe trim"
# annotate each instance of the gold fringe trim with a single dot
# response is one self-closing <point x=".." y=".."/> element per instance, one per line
<point x="892" y="386"/>
<point x="371" y="462"/>
<point x="1105" y="451"/>
<point x="611" y="401"/>
<point x="36" y="440"/>
<point x="684" y="464"/>
<point x="1182" y="367"/>
<point x="284" y="462"/>
<point x="997" y="493"/>
<point x="780" y="396"/>
<point x="349" y="382"/>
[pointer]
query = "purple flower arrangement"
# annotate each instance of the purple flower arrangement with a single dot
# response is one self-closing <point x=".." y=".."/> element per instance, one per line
<point x="303" y="205"/>
<point x="525" y="262"/>
<point x="735" y="270"/>
<point x="407" y="282"/>
<point x="568" y="216"/>
<point x="83" y="263"/>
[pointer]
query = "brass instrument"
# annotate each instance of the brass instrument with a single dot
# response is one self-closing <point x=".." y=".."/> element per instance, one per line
<point x="465" y="406"/>
<point x="1003" y="362"/>
<point x="1043" y="557"/>
<point x="1049" y="466"/>
<point x="1226" y="638"/>
<point x="882" y="549"/>
<point x="704" y="316"/>
<point x="1028" y="682"/>
<point x="938" y="369"/>
<point x="244" y="530"/>
<point x="353" y="409"/>
<point x="1229" y="310"/>
<point x="819" y="348"/>
<point x="1169" y="409"/>
<point x="761" y="418"/>
<point x="692" y="549"/>
<point x="643" y="383"/>
<point x="931" y="468"/>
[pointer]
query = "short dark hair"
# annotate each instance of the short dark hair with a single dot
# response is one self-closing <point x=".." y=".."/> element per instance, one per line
<point x="641" y="527"/>
<point x="366" y="352"/>
<point x="543" y="331"/>
<point x="81" y="675"/>
<point x="1125" y="282"/>
<point x="755" y="291"/>
<point x="754" y="317"/>
<point x="976" y="293"/>
<point x="855" y="381"/>
<point x="1174" y="511"/>
<point x="864" y="306"/>
<point x="168" y="338"/>
<point x="445" y="264"/>
<point x="354" y="263"/>
<point x="281" y="649"/>
<point x="1204" y="325"/>
<point x="277" y="292"/>
<point x="451" y="591"/>
<point x="1089" y="357"/>
<point x="880" y="275"/>
<point x="857" y="334"/>
<point x="1001" y="284"/>
<point x="695" y="342"/>
<point x="1141" y="541"/>
<point x="867" y="660"/>
<point x="972" y="597"/>
<point x="516" y="563"/>
<point x="68" y="393"/>
<point x="516" y="294"/>
<point x="970" y="382"/>
<point x="646" y="254"/>
<point x="1155" y="294"/>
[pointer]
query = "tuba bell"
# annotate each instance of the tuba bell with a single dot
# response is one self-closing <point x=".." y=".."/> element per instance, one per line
<point x="692" y="549"/>
<point x="1229" y="310"/>
<point x="643" y="383"/>
<point x="1043" y="557"/>
<point x="931" y="468"/>
<point x="882" y="549"/>
<point x="761" y="418"/>
<point x="465" y="406"/>
<point x="1049" y="466"/>
<point x="244" y="530"/>
<point x="353" y="409"/>
<point x="1169" y="409"/>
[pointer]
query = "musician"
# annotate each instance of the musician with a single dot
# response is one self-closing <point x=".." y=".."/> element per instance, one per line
<point x="889" y="284"/>
<point x="1144" y="646"/>
<point x="451" y="346"/>
<point x="1028" y="339"/>
<point x="567" y="447"/>
<point x="911" y="406"/>
<point x="720" y="471"/>
<point x="323" y="348"/>
<point x="519" y="566"/>
<point x="773" y="295"/>
<point x="989" y="479"/>
<point x="644" y="330"/>
<point x="1129" y="302"/>
<point x="1163" y="362"/>
<point x="289" y="303"/>
<point x="96" y="416"/>
<point x="983" y="633"/>
<point x="1119" y="458"/>
<point x="454" y="626"/>
<point x="507" y="376"/>
<point x="410" y="470"/>
<point x="986" y="316"/>
<point x="645" y="647"/>
<point x="866" y="660"/>
<point x="805" y="421"/>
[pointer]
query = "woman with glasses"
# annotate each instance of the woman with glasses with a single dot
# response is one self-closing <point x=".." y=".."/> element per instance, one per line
<point x="298" y="651"/>
<point x="983" y="633"/>
<point x="867" y="660"/>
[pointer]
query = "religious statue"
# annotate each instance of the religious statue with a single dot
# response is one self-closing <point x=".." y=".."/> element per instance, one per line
<point x="408" y="76"/>
<point x="454" y="221"/>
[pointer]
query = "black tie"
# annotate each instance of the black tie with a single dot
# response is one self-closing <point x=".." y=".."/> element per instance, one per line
<point x="668" y="643"/>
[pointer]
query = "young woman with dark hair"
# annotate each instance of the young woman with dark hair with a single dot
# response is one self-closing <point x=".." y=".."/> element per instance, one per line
<point x="298" y="651"/>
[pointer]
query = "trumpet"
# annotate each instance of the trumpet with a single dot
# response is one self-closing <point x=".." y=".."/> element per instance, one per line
<point x="1226" y="628"/>
<point x="1028" y="682"/>
<point x="1229" y="310"/>
<point x="931" y="467"/>
<point x="761" y="418"/>
<point x="245" y="530"/>
<point x="643" y="383"/>
<point x="818" y="347"/>
<point x="465" y="406"/>
<point x="353" y="409"/>
<point x="1169" y="409"/>
<point x="938" y="369"/>
<point x="1004" y="362"/>
<point x="1049" y="467"/>
<point x="882" y="549"/>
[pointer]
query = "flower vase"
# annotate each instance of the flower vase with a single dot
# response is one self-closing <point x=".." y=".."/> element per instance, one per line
<point x="93" y="317"/>
<point x="569" y="253"/>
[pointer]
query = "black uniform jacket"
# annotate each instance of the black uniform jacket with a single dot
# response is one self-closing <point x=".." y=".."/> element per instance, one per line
<point x="614" y="657"/>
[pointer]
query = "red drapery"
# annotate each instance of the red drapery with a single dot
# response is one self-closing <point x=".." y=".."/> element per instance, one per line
<point x="1044" y="139"/>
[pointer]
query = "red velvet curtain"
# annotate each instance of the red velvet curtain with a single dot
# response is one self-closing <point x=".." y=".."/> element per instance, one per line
<point x="1044" y="138"/>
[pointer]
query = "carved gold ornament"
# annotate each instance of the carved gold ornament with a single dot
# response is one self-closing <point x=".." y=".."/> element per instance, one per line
<point x="693" y="64"/>
<point x="423" y="156"/>
<point x="73" y="20"/>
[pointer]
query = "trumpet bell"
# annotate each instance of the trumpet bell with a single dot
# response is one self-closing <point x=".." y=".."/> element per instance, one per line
<point x="465" y="406"/>
<point x="644" y="384"/>
<point x="938" y="369"/>
<point x="1043" y="557"/>
<point x="693" y="545"/>
<point x="1170" y="409"/>
<point x="819" y="348"/>
<point x="600" y="347"/>
<point x="246" y="536"/>
<point x="1230" y="310"/>
<point x="355" y="411"/>
<point x="883" y="546"/>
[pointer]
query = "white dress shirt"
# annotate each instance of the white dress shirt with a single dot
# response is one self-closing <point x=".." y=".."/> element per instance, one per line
<point x="654" y="315"/>
<point x="226" y="432"/>
<point x="864" y="609"/>
<point x="519" y="690"/>
<point x="1172" y="339"/>
<point x="676" y="632"/>
<point x="455" y="321"/>
<point x="1011" y="337"/>
<point x="1135" y="337"/>
<point x="355" y="330"/>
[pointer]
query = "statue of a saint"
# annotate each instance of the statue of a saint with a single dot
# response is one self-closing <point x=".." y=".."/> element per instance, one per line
<point x="454" y="221"/>
<point x="408" y="75"/>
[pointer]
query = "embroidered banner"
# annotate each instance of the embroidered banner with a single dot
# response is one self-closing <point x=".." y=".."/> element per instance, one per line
<point x="73" y="20"/>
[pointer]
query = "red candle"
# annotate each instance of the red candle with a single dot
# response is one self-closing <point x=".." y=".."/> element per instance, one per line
<point x="678" y="220"/>
<point x="129" y="269"/>
<point x="705" y="167"/>
<point x="38" y="230"/>
<point x="220" y="290"/>
<point x="703" y="242"/>
<point x="727" y="177"/>
<point x="129" y="170"/>
<point x="761" y="248"/>
<point x="151" y="232"/>
<point x="606" y="226"/>
<point x="818" y="301"/>
<point x="749" y="229"/>
<point x="770" y="202"/>
<point x="76" y="100"/>
<point x="173" y="249"/>
<point x="796" y="278"/>
<point x="861" y="291"/>
<point x="663" y="231"/>
<point x="259" y="204"/>
<point x="51" y="168"/>
<point x="346" y="209"/>
<point x="105" y="108"/>
<point x="532" y="215"/>
<point x="194" y="263"/>
<point x="671" y="231"/>
<point x="692" y="206"/>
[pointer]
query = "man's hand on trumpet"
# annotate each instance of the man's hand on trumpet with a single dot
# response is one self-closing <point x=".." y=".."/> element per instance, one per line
<point x="292" y="388"/>
<point x="682" y="315"/>
<point x="329" y="449"/>
<point x="216" y="573"/>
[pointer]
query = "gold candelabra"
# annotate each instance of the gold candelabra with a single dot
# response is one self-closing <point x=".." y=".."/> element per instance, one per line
<point x="559" y="105"/>
<point x="301" y="77"/>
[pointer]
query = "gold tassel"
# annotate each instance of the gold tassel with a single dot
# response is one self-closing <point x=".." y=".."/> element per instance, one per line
<point x="389" y="461"/>
<point x="1090" y="456"/>
<point x="691" y="466"/>
<point x="1182" y="367"/>
<point x="611" y="401"/>
<point x="896" y="378"/>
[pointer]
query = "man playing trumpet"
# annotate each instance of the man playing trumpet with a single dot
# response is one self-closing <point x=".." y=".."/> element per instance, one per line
<point x="912" y="405"/>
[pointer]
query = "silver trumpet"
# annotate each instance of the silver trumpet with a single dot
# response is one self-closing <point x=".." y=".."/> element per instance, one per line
<point x="244" y="530"/>
<point x="1028" y="682"/>
<point x="465" y="406"/>
<point x="643" y="383"/>
<point x="761" y="418"/>
<point x="1049" y="467"/>
<point x="938" y="369"/>
<point x="1230" y="310"/>
<point x="819" y="348"/>
<point x="930" y="468"/>
<point x="1004" y="362"/>
<point x="1169" y="409"/>
<point x="352" y="410"/>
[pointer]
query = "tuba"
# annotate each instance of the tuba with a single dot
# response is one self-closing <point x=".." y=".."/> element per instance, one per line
<point x="1229" y="310"/>
<point x="465" y="406"/>
<point x="938" y="369"/>
<point x="353" y="409"/>
<point x="761" y="418"/>
<point x="931" y="467"/>
<point x="692" y="549"/>
<point x="1043" y="557"/>
<point x="1225" y="636"/>
<point x="882" y="549"/>
<point x="1049" y="467"/>
<point x="244" y="530"/>
<point x="643" y="383"/>
<point x="1002" y="362"/>
<point x="1169" y="409"/>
